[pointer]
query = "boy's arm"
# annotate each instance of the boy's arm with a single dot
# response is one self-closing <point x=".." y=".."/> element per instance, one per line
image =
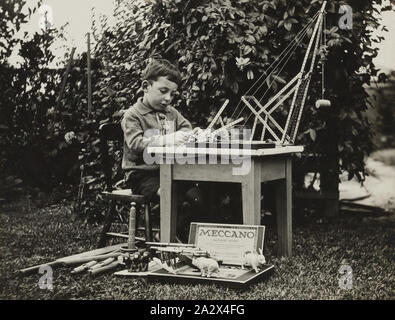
<point x="182" y="123"/>
<point x="135" y="137"/>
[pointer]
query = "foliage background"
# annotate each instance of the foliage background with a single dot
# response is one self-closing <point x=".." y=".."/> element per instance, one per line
<point x="203" y="38"/>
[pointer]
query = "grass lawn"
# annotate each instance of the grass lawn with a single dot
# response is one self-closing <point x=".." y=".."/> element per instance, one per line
<point x="38" y="236"/>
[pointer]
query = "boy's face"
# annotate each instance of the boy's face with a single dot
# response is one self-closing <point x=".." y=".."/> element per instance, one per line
<point x="159" y="93"/>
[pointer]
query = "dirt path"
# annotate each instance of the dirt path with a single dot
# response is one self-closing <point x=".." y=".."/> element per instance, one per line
<point x="379" y="187"/>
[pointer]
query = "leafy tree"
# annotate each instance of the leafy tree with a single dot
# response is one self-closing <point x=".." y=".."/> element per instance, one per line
<point x="41" y="137"/>
<point x="11" y="19"/>
<point x="33" y="145"/>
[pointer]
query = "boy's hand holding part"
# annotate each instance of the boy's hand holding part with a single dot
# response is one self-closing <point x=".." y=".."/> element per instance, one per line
<point x="175" y="138"/>
<point x="178" y="137"/>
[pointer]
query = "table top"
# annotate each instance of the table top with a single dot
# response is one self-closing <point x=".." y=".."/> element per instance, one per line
<point x="185" y="151"/>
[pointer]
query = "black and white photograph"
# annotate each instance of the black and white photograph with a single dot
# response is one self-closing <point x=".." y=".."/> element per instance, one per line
<point x="195" y="156"/>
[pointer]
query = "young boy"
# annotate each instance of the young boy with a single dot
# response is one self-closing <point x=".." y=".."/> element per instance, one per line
<point x="160" y="82"/>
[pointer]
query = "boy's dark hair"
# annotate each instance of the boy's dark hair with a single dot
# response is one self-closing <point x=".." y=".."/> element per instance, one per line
<point x="161" y="68"/>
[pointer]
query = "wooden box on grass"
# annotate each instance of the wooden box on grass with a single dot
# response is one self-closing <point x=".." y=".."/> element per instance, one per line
<point x="225" y="242"/>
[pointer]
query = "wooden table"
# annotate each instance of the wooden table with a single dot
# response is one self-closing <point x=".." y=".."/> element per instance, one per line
<point x="272" y="164"/>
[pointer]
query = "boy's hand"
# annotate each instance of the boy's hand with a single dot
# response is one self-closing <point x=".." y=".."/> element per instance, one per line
<point x="197" y="131"/>
<point x="176" y="138"/>
<point x="199" y="134"/>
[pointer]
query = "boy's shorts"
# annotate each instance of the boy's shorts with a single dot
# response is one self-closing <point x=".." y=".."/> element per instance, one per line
<point x="145" y="183"/>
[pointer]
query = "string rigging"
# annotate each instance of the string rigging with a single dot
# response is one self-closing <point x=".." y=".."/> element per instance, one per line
<point x="291" y="47"/>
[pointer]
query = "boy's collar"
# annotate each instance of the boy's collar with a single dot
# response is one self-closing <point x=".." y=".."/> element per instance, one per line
<point x="144" y="109"/>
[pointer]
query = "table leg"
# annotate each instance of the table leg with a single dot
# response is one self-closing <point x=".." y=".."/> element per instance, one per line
<point x="168" y="204"/>
<point x="284" y="211"/>
<point x="251" y="195"/>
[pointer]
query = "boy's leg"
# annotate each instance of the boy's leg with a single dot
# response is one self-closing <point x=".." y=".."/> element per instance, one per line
<point x="191" y="203"/>
<point x="146" y="183"/>
<point x="192" y="208"/>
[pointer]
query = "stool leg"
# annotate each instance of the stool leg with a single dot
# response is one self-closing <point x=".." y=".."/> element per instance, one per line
<point x="107" y="224"/>
<point x="147" y="212"/>
<point x="132" y="227"/>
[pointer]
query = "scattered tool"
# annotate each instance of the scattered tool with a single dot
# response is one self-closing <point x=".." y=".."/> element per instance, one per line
<point x="170" y="244"/>
<point x="101" y="264"/>
<point x="97" y="254"/>
<point x="84" y="267"/>
<point x="111" y="266"/>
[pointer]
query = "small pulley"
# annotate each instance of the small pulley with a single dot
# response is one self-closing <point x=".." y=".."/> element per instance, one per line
<point x="322" y="103"/>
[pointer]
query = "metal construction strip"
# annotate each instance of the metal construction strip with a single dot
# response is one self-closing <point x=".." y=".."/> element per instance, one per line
<point x="260" y="118"/>
<point x="218" y="114"/>
<point x="313" y="36"/>
<point x="267" y="114"/>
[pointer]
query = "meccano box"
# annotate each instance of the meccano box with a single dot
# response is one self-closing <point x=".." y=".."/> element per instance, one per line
<point x="226" y="243"/>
